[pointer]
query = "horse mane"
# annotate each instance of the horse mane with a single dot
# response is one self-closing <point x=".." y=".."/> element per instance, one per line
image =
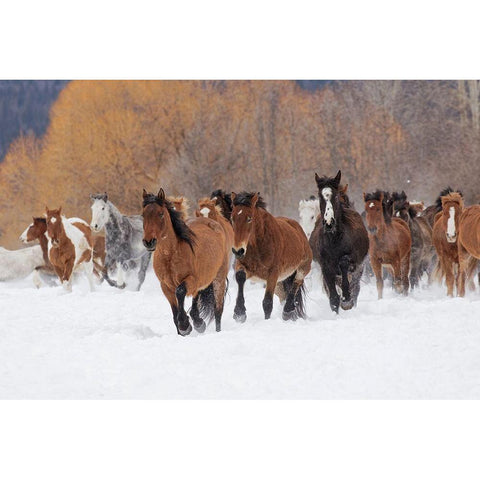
<point x="446" y="191"/>
<point x="324" y="182"/>
<point x="99" y="196"/>
<point x="456" y="197"/>
<point x="225" y="200"/>
<point x="245" y="199"/>
<point x="404" y="204"/>
<point x="41" y="219"/>
<point x="387" y="203"/>
<point x="181" y="229"/>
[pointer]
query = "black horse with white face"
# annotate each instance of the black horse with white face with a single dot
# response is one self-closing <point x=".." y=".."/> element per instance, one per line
<point x="340" y="242"/>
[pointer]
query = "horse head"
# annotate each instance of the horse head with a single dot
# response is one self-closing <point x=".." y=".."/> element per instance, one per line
<point x="330" y="205"/>
<point x="452" y="207"/>
<point x="244" y="215"/>
<point x="35" y="230"/>
<point x="100" y="211"/>
<point x="374" y="210"/>
<point x="207" y="207"/>
<point x="54" y="225"/>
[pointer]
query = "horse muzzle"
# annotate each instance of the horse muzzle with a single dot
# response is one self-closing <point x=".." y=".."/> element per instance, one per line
<point x="150" y="245"/>
<point x="372" y="230"/>
<point x="55" y="242"/>
<point x="240" y="253"/>
<point x="95" y="228"/>
<point x="451" y="238"/>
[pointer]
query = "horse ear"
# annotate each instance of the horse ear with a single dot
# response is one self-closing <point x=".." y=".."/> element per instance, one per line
<point x="105" y="197"/>
<point x="382" y="196"/>
<point x="232" y="196"/>
<point x="161" y="194"/>
<point x="336" y="180"/>
<point x="317" y="178"/>
<point x="255" y="199"/>
<point x="145" y="194"/>
<point x="345" y="188"/>
<point x="60" y="210"/>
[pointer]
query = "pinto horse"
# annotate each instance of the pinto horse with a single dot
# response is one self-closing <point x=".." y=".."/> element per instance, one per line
<point x="70" y="247"/>
<point x="422" y="256"/>
<point x="468" y="244"/>
<point x="189" y="260"/>
<point x="390" y="242"/>
<point x="339" y="243"/>
<point x="38" y="231"/>
<point x="271" y="249"/>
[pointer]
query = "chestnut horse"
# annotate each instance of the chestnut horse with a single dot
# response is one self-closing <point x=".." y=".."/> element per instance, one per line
<point x="468" y="244"/>
<point x="390" y="242"/>
<point x="270" y="249"/>
<point x="69" y="246"/>
<point x="181" y="205"/>
<point x="207" y="207"/>
<point x="422" y="256"/>
<point x="189" y="260"/>
<point x="339" y="243"/>
<point x="445" y="231"/>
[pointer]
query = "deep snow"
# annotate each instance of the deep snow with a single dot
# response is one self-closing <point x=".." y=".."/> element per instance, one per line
<point x="123" y="344"/>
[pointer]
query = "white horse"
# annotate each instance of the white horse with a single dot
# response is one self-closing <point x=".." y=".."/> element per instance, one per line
<point x="16" y="264"/>
<point x="123" y="241"/>
<point x="308" y="211"/>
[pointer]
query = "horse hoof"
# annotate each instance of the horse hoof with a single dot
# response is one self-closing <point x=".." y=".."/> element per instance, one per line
<point x="240" y="317"/>
<point x="291" y="315"/>
<point x="122" y="286"/>
<point x="347" y="305"/>
<point x="186" y="332"/>
<point x="201" y="327"/>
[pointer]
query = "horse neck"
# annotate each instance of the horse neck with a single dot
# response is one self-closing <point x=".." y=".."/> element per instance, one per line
<point x="168" y="238"/>
<point x="262" y="221"/>
<point x="112" y="225"/>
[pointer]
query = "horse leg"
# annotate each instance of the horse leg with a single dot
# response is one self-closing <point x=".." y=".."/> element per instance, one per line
<point x="183" y="324"/>
<point x="346" y="302"/>
<point x="447" y="266"/>
<point x="463" y="257"/>
<point x="377" y="270"/>
<point x="198" y="322"/>
<point x="329" y="279"/>
<point x="240" y="312"/>
<point x="268" y="298"/>
<point x="355" y="283"/>
<point x="219" y="291"/>
<point x="290" y="288"/>
<point x="404" y="268"/>
<point x="120" y="276"/>
<point x="142" y="272"/>
<point x="172" y="300"/>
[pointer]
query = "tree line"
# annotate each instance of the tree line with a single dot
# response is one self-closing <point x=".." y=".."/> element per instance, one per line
<point x="192" y="137"/>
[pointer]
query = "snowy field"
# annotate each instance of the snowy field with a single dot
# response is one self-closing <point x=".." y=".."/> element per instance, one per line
<point x="123" y="344"/>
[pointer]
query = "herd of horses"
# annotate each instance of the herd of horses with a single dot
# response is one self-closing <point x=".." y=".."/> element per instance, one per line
<point x="192" y="254"/>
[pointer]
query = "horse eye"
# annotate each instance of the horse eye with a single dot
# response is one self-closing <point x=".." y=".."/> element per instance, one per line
<point x="249" y="219"/>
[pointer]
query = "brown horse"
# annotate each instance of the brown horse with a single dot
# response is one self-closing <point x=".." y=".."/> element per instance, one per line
<point x="422" y="256"/>
<point x="181" y="205"/>
<point x="272" y="249"/>
<point x="38" y="231"/>
<point x="189" y="260"/>
<point x="390" y="242"/>
<point x="70" y="246"/>
<point x="445" y="231"/>
<point x="207" y="207"/>
<point x="431" y="211"/>
<point x="468" y="244"/>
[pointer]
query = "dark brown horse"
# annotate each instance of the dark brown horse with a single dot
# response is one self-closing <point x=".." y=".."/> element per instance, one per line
<point x="468" y="244"/>
<point x="445" y="231"/>
<point x="339" y="243"/>
<point x="189" y="260"/>
<point x="270" y="249"/>
<point x="70" y="247"/>
<point x="422" y="256"/>
<point x="390" y="242"/>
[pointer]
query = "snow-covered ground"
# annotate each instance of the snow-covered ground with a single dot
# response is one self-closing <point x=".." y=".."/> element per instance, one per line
<point x="123" y="344"/>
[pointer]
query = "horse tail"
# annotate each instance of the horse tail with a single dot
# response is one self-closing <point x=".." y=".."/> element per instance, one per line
<point x="206" y="304"/>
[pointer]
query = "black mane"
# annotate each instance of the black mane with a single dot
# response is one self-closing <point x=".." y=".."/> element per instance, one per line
<point x="41" y="219"/>
<point x="224" y="199"/>
<point x="245" y="198"/>
<point x="387" y="203"/>
<point x="99" y="196"/>
<point x="327" y="182"/>
<point x="181" y="229"/>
